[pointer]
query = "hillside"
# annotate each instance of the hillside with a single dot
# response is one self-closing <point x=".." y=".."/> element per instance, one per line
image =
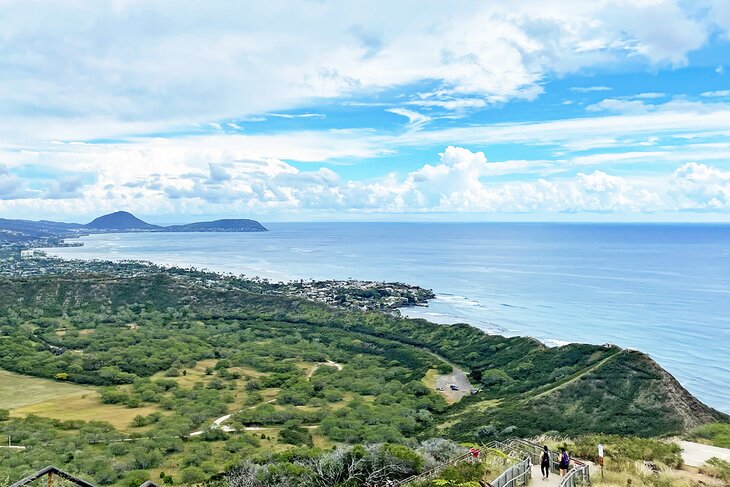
<point x="39" y="233"/>
<point x="625" y="394"/>
<point x="120" y="220"/>
<point x="165" y="353"/>
<point x="228" y="225"/>
<point x="19" y="230"/>
<point x="599" y="389"/>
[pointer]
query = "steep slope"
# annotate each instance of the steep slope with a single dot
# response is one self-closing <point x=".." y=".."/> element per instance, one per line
<point x="626" y="394"/>
<point x="120" y="220"/>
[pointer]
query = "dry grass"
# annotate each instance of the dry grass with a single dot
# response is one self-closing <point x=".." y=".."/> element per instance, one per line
<point x="85" y="407"/>
<point x="17" y="390"/>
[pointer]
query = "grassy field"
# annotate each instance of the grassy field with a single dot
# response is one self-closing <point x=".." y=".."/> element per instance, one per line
<point x="25" y="395"/>
<point x="17" y="391"/>
<point x="86" y="406"/>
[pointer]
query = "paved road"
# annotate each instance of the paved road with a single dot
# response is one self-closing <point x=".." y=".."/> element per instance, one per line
<point x="696" y="454"/>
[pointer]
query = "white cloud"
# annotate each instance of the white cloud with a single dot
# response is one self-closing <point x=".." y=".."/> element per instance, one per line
<point x="415" y="120"/>
<point x="461" y="181"/>
<point x="618" y="105"/>
<point x="131" y="64"/>
<point x="716" y="94"/>
<point x="649" y="96"/>
<point x="589" y="89"/>
<point x="454" y="104"/>
<point x="296" y="115"/>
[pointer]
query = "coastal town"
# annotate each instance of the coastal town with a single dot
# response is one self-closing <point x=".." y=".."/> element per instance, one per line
<point x="362" y="295"/>
<point x="350" y="294"/>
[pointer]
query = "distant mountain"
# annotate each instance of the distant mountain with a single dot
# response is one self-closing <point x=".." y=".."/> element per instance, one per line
<point x="120" y="220"/>
<point x="18" y="231"/>
<point x="23" y="230"/>
<point x="230" y="225"/>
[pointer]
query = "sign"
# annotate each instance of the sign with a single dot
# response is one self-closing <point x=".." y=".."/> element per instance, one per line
<point x="600" y="457"/>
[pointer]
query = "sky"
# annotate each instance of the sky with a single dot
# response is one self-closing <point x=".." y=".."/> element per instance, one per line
<point x="568" y="110"/>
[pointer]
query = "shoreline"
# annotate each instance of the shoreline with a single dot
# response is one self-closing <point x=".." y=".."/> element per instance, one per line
<point x="273" y="258"/>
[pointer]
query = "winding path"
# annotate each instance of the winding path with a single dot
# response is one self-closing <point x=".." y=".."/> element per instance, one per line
<point x="328" y="363"/>
<point x="582" y="374"/>
<point x="218" y="423"/>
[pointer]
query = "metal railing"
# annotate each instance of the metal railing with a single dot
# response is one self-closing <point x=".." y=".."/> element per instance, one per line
<point x="433" y="472"/>
<point x="52" y="472"/>
<point x="516" y="475"/>
<point x="578" y="476"/>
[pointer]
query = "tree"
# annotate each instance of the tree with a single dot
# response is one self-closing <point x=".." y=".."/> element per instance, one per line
<point x="294" y="434"/>
<point x="4" y="414"/>
<point x="139" y="421"/>
<point x="144" y="459"/>
<point x="192" y="475"/>
<point x="135" y="478"/>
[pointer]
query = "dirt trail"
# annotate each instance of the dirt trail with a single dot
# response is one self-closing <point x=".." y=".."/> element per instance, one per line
<point x="218" y="423"/>
<point x="328" y="363"/>
<point x="585" y="372"/>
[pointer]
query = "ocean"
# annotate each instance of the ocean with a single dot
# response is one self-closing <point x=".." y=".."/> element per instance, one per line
<point x="660" y="288"/>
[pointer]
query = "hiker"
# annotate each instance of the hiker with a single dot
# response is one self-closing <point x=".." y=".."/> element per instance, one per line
<point x="564" y="462"/>
<point x="545" y="463"/>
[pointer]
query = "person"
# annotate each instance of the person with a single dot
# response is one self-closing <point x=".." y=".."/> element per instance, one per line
<point x="564" y="462"/>
<point x="545" y="463"/>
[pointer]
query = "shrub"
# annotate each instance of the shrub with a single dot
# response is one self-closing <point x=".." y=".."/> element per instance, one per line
<point x="192" y="475"/>
<point x="444" y="368"/>
<point x="716" y="433"/>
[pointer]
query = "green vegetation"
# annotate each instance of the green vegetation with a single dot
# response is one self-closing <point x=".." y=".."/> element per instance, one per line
<point x="717" y="434"/>
<point x="34" y="390"/>
<point x="718" y="468"/>
<point x="623" y="451"/>
<point x="162" y="355"/>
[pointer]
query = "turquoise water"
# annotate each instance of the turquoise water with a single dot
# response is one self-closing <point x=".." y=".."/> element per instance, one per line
<point x="662" y="289"/>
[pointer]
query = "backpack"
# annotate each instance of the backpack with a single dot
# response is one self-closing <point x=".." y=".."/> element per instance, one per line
<point x="566" y="459"/>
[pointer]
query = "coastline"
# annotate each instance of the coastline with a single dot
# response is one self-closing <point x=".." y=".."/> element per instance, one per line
<point x="322" y="251"/>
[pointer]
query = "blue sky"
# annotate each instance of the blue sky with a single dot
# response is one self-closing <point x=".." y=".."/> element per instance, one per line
<point x="313" y="110"/>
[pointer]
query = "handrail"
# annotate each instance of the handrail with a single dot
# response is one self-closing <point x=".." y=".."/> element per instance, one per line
<point x="537" y="451"/>
<point x="433" y="471"/>
<point x="577" y="476"/>
<point x="50" y="471"/>
<point x="509" y="478"/>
